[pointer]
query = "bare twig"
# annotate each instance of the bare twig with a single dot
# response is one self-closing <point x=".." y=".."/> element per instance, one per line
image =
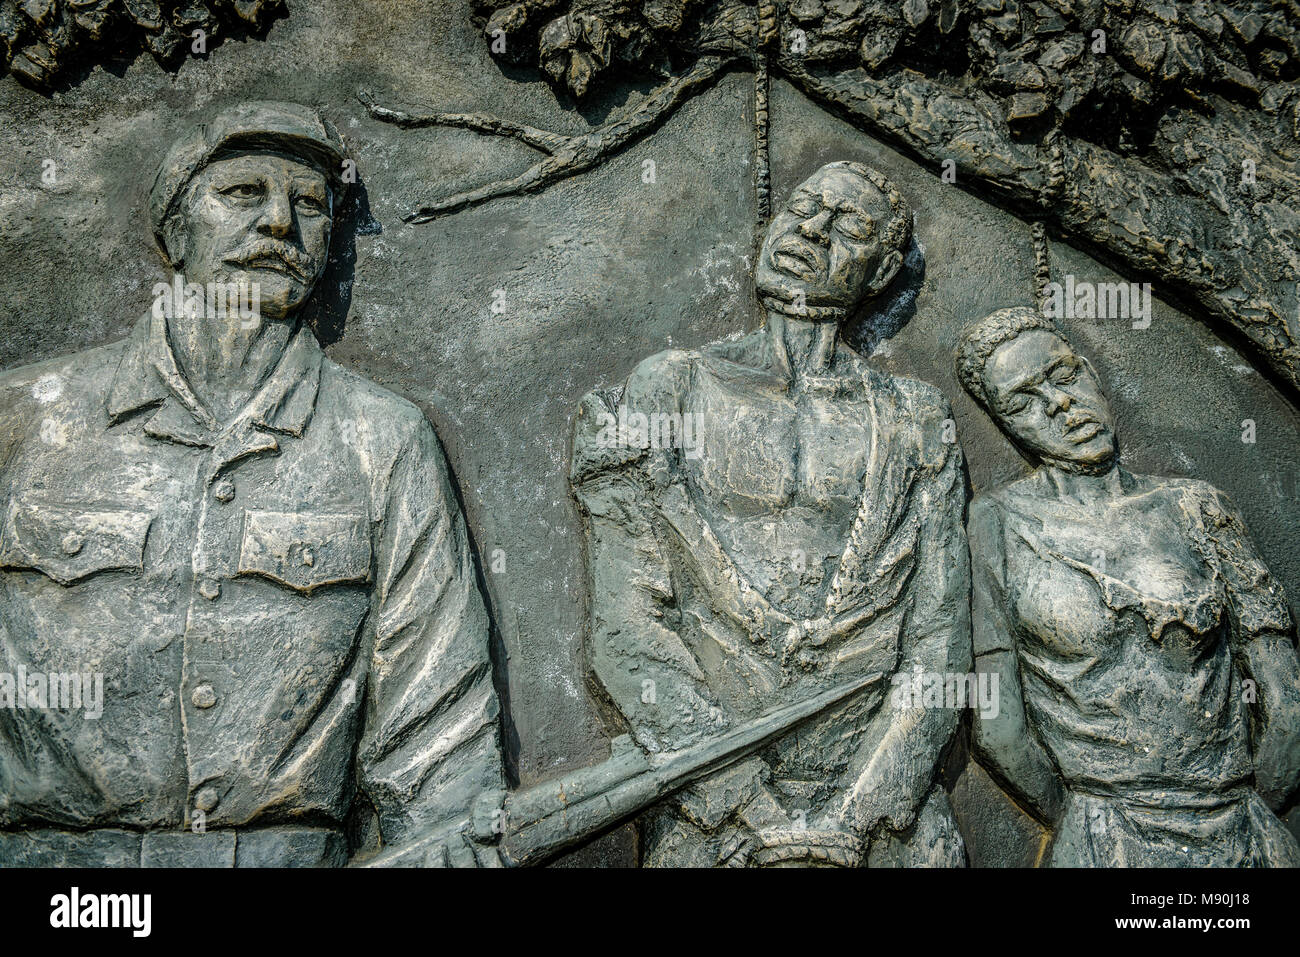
<point x="762" y="166"/>
<point x="565" y="155"/>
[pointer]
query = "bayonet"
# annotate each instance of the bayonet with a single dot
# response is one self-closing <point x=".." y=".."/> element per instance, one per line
<point x="534" y="824"/>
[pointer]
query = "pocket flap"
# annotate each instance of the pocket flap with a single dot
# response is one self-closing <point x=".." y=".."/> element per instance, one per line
<point x="305" y="550"/>
<point x="69" y="542"/>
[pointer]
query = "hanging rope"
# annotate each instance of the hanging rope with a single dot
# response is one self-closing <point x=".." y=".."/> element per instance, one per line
<point x="764" y="33"/>
<point x="1042" y="263"/>
<point x="762" y="167"/>
<point x="1050" y="194"/>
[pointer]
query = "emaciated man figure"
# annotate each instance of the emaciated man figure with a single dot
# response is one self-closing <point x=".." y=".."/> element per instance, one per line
<point x="811" y="532"/>
<point x="258" y="551"/>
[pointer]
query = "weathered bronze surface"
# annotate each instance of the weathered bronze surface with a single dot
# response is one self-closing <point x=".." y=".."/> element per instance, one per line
<point x="810" y="528"/>
<point x="1151" y="693"/>
<point x="259" y="552"/>
<point x="725" y="613"/>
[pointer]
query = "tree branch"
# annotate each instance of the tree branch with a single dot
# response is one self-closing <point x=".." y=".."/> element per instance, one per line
<point x="566" y="155"/>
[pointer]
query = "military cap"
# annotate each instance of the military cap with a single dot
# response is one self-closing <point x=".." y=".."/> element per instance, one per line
<point x="287" y="128"/>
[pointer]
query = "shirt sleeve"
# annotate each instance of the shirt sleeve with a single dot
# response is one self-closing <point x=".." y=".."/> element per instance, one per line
<point x="1003" y="741"/>
<point x="1256" y="601"/>
<point x="991" y="631"/>
<point x="898" y="759"/>
<point x="644" y="669"/>
<point x="431" y="742"/>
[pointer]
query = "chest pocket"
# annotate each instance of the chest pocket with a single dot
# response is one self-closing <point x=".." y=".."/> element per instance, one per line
<point x="69" y="542"/>
<point x="305" y="550"/>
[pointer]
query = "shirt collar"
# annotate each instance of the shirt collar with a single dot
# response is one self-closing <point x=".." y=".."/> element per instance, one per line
<point x="149" y="375"/>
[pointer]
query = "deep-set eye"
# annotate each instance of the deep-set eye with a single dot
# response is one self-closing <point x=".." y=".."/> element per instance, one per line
<point x="1066" y="372"/>
<point x="854" y="226"/>
<point x="310" y="205"/>
<point x="1017" y="404"/>
<point x="243" y="191"/>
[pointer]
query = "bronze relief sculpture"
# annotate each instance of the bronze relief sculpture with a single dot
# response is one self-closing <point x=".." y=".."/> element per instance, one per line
<point x="1150" y="710"/>
<point x="809" y="530"/>
<point x="259" y="551"/>
<point x="240" y="620"/>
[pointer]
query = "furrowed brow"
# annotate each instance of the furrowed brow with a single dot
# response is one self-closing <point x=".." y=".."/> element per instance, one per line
<point x="1034" y="378"/>
<point x="310" y="187"/>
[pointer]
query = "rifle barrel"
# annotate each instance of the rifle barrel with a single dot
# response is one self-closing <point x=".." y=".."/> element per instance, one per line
<point x="553" y="816"/>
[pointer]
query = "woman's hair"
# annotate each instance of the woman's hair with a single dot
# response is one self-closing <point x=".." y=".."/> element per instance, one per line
<point x="981" y="338"/>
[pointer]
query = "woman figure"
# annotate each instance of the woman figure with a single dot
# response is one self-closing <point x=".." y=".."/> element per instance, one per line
<point x="1150" y="707"/>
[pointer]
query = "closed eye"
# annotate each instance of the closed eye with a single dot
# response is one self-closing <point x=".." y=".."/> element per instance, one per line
<point x="1018" y="403"/>
<point x="311" y="205"/>
<point x="805" y="207"/>
<point x="854" y="226"/>
<point x="1065" y="372"/>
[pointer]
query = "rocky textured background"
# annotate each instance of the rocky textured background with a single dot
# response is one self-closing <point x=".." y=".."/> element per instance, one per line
<point x="47" y="43"/>
<point x="602" y="269"/>
<point x="1164" y="136"/>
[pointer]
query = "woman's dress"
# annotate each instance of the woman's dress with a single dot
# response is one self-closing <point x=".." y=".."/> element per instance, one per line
<point x="1127" y="621"/>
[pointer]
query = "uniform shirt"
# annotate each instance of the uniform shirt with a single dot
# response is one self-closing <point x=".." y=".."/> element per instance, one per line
<point x="283" y="607"/>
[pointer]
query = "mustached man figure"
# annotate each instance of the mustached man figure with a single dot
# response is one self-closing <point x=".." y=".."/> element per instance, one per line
<point x="259" y="551"/>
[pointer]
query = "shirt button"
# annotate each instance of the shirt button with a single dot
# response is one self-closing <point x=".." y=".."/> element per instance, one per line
<point x="72" y="543"/>
<point x="206" y="800"/>
<point x="210" y="588"/>
<point x="204" y="696"/>
<point x="224" y="490"/>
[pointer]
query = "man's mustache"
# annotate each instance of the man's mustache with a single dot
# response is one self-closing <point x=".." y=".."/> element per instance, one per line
<point x="269" y="253"/>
